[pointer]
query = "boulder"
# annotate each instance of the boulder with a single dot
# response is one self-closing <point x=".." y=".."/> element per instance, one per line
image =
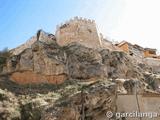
<point x="42" y="63"/>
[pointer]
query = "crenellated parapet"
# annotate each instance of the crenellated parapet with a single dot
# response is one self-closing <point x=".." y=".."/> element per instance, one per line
<point x="80" y="30"/>
<point x="79" y="20"/>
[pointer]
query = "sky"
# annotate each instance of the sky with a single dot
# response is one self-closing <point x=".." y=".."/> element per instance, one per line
<point x="136" y="21"/>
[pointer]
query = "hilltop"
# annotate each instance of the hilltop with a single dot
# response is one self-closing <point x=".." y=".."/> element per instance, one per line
<point x="74" y="74"/>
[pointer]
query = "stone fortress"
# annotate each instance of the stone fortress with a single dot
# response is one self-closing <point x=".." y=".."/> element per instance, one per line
<point x="52" y="70"/>
<point x="83" y="31"/>
<point x="79" y="30"/>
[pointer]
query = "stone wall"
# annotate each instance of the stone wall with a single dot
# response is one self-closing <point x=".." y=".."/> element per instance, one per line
<point x="127" y="103"/>
<point x="79" y="30"/>
<point x="83" y="31"/>
<point x="143" y="103"/>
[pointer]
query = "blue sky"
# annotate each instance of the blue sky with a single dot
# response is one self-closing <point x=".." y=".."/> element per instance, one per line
<point x="136" y="21"/>
<point x="20" y="19"/>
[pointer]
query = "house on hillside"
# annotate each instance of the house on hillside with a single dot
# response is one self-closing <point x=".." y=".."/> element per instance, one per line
<point x="149" y="52"/>
<point x="137" y="51"/>
<point x="142" y="55"/>
<point x="134" y="50"/>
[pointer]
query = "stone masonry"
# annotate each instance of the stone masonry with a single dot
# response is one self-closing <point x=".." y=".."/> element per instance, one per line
<point x="78" y="30"/>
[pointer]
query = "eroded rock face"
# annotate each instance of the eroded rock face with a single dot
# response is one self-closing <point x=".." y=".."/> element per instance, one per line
<point x="134" y="86"/>
<point x="65" y="103"/>
<point x="91" y="104"/>
<point x="48" y="59"/>
<point x="153" y="81"/>
<point x="119" y="65"/>
<point x="28" y="77"/>
<point x="84" y="63"/>
<point x="26" y="60"/>
<point x="45" y="61"/>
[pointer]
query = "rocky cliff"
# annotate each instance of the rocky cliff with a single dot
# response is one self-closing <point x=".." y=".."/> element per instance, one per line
<point x="45" y="81"/>
<point x="44" y="61"/>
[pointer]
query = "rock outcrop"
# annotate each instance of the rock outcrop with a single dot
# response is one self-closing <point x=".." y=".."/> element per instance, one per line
<point x="84" y="63"/>
<point x="119" y="65"/>
<point x="153" y="81"/>
<point x="70" y="101"/>
<point x="93" y="101"/>
<point x="44" y="61"/>
<point x="41" y="80"/>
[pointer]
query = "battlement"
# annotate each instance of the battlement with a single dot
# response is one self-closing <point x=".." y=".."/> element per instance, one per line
<point x="76" y="19"/>
<point x="80" y="30"/>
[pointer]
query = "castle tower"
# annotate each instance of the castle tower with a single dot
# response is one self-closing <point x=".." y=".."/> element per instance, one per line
<point x="78" y="30"/>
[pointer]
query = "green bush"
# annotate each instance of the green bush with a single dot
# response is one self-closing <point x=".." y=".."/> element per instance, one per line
<point x="4" y="54"/>
<point x="2" y="60"/>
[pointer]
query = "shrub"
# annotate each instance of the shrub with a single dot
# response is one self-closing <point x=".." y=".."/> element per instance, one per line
<point x="4" y="54"/>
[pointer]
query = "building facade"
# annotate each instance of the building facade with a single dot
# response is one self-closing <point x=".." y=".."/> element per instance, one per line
<point x="136" y="50"/>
